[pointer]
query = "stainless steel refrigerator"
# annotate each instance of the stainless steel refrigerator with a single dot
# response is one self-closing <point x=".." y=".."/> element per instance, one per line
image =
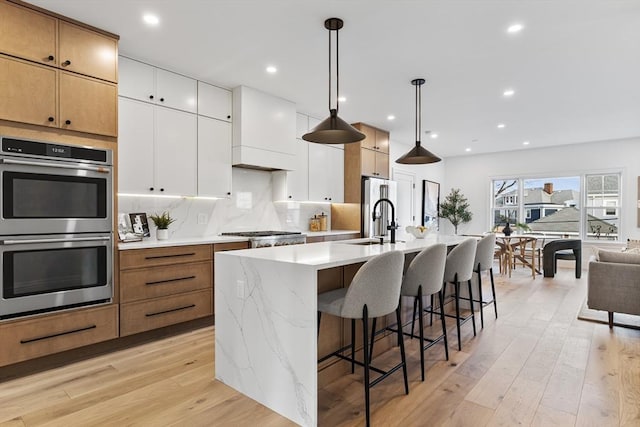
<point x="374" y="189"/>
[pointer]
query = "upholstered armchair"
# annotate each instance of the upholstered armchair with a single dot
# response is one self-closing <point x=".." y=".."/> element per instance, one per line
<point x="614" y="283"/>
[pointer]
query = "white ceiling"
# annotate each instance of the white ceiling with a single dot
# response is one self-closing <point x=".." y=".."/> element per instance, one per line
<point x="575" y="66"/>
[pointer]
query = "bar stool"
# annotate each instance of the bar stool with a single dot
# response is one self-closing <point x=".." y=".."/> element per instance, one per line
<point x="459" y="268"/>
<point x="373" y="292"/>
<point x="425" y="277"/>
<point x="484" y="262"/>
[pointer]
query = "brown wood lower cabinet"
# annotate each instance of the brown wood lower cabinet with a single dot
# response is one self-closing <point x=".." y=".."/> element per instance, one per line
<point x="28" y="339"/>
<point x="155" y="313"/>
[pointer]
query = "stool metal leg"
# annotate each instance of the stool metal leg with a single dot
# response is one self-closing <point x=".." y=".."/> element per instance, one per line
<point x="473" y="315"/>
<point x="421" y="326"/>
<point x="444" y="326"/>
<point x="353" y="345"/>
<point x="493" y="291"/>
<point x="413" y="318"/>
<point x="373" y="338"/>
<point x="402" y="353"/>
<point x="365" y="342"/>
<point x="456" y="287"/>
<point x="480" y="296"/>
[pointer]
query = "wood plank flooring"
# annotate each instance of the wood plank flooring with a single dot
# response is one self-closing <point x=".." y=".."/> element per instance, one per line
<point x="536" y="365"/>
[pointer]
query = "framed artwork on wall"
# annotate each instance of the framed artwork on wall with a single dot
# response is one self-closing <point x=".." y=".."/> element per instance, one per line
<point x="430" y="204"/>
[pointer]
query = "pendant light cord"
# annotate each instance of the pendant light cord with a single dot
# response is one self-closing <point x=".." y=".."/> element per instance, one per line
<point x="418" y="113"/>
<point x="331" y="70"/>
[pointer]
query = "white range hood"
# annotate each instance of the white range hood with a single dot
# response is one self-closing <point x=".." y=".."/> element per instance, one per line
<point x="264" y="130"/>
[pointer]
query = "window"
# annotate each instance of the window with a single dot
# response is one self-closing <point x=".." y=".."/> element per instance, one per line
<point x="554" y="206"/>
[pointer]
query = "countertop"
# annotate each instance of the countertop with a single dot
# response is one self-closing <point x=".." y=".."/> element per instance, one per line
<point x="332" y="254"/>
<point x="204" y="240"/>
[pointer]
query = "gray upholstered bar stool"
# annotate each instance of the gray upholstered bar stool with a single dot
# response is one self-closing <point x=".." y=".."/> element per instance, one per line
<point x="425" y="277"/>
<point x="458" y="269"/>
<point x="373" y="292"/>
<point x="484" y="262"/>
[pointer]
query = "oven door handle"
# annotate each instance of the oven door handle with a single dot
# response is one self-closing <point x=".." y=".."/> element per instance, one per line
<point x="35" y="241"/>
<point x="76" y="166"/>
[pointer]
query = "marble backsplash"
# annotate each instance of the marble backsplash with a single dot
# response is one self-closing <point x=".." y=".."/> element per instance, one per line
<point x="250" y="208"/>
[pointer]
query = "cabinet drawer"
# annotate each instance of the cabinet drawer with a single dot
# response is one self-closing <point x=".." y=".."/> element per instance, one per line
<point x="33" y="338"/>
<point x="164" y="280"/>
<point x="136" y="258"/>
<point x="164" y="311"/>
<point x="231" y="246"/>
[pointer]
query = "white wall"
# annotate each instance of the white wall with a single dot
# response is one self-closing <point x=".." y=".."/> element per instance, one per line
<point x="473" y="174"/>
<point x="432" y="172"/>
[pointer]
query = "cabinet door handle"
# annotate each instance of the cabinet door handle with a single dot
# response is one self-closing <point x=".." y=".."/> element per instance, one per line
<point x="228" y="117"/>
<point x="150" y="188"/>
<point x="177" y="279"/>
<point x="157" y="313"/>
<point x="59" y="334"/>
<point x="68" y="122"/>
<point x="150" y="96"/>
<point x="51" y="57"/>
<point x="162" y="189"/>
<point x="161" y="99"/>
<point x="169" y="256"/>
<point x="51" y="118"/>
<point x="65" y="63"/>
<point x="228" y="193"/>
<point x="290" y="197"/>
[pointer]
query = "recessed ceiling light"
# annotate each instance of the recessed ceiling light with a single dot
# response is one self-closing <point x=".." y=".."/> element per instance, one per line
<point x="342" y="99"/>
<point x="151" y="19"/>
<point x="434" y="135"/>
<point x="525" y="143"/>
<point x="467" y="149"/>
<point x="391" y="117"/>
<point x="501" y="126"/>
<point x="508" y="92"/>
<point x="271" y="69"/>
<point x="515" y="28"/>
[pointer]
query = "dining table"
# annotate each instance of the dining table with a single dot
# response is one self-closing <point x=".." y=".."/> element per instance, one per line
<point x="518" y="248"/>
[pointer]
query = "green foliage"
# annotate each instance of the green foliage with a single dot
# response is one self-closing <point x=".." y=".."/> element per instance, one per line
<point x="162" y="221"/>
<point x="455" y="208"/>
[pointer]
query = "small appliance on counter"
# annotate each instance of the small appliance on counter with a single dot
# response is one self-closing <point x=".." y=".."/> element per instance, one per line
<point x="263" y="239"/>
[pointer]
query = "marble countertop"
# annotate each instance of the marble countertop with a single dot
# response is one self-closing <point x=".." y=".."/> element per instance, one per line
<point x="203" y="240"/>
<point x="332" y="254"/>
<point x="184" y="241"/>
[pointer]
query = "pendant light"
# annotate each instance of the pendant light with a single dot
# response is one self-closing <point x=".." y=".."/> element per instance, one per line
<point x="418" y="154"/>
<point x="333" y="130"/>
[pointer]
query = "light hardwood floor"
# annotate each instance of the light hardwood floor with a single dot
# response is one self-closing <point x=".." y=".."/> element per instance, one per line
<point x="536" y="365"/>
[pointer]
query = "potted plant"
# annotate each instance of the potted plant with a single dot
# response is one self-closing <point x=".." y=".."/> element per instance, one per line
<point x="455" y="208"/>
<point x="162" y="222"/>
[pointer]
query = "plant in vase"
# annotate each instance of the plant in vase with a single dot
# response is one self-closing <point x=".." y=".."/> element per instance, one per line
<point x="162" y="222"/>
<point x="455" y="208"/>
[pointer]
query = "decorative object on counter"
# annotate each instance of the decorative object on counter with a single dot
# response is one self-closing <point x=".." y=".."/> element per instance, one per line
<point x="507" y="230"/>
<point x="162" y="221"/>
<point x="334" y="130"/>
<point x="455" y="208"/>
<point x="418" y="155"/>
<point x="314" y="224"/>
<point x="323" y="221"/>
<point x="419" y="232"/>
<point x="140" y="224"/>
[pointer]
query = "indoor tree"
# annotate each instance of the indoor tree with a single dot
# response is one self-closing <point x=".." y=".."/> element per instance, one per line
<point x="455" y="208"/>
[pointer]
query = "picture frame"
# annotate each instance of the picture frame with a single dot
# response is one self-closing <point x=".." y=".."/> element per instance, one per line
<point x="124" y="227"/>
<point x="139" y="223"/>
<point x="430" y="204"/>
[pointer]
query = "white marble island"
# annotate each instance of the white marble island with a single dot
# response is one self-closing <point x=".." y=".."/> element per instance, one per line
<point x="266" y="318"/>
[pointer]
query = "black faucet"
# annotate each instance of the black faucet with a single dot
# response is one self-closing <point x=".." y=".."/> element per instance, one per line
<point x="392" y="227"/>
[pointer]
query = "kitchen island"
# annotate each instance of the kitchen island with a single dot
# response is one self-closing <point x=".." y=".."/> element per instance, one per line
<point x="266" y="318"/>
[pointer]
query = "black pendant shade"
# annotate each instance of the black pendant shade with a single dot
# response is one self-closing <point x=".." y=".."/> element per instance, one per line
<point x="333" y="130"/>
<point x="418" y="155"/>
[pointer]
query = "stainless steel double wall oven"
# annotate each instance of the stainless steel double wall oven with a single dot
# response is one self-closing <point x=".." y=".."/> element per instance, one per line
<point x="56" y="226"/>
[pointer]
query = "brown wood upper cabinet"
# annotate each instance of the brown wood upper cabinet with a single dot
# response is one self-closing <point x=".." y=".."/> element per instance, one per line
<point x="375" y="139"/>
<point x="370" y="157"/>
<point x="35" y="36"/>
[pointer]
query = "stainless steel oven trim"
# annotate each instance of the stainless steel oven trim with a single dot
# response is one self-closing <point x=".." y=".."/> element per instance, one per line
<point x="58" y="299"/>
<point x="57" y="225"/>
<point x="65" y="165"/>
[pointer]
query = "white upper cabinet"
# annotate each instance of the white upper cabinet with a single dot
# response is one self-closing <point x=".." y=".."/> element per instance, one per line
<point x="144" y="82"/>
<point x="264" y="130"/>
<point x="214" y="157"/>
<point x="214" y="102"/>
<point x="302" y="125"/>
<point x="294" y="184"/>
<point x="326" y="173"/>
<point x="157" y="150"/>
